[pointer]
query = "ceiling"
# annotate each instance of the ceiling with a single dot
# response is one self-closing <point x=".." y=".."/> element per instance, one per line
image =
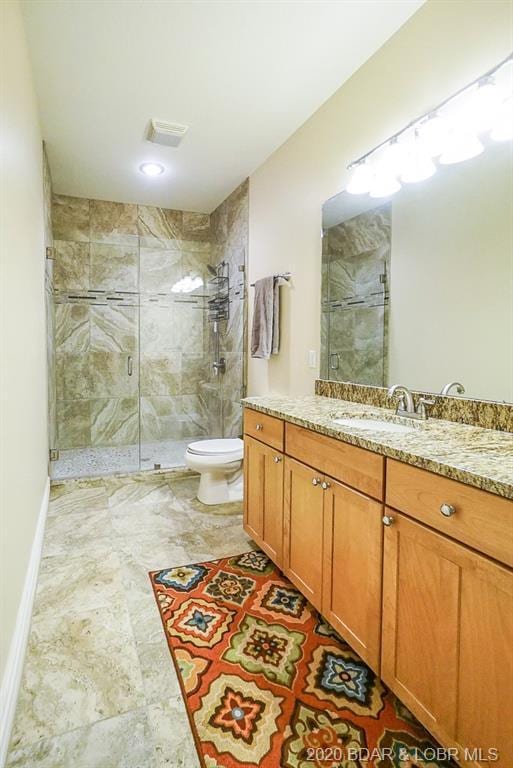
<point x="242" y="74"/>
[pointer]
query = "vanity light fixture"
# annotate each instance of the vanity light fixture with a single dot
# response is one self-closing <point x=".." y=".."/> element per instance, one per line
<point x="484" y="104"/>
<point x="395" y="157"/>
<point x="450" y="132"/>
<point x="361" y="179"/>
<point x="432" y="134"/>
<point x="385" y="183"/>
<point x="461" y="145"/>
<point x="418" y="164"/>
<point x="152" y="169"/>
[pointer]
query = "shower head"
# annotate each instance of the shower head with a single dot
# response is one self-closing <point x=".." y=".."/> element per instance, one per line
<point x="212" y="270"/>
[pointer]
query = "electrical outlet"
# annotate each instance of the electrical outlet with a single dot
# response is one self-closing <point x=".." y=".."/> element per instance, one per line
<point x="312" y="359"/>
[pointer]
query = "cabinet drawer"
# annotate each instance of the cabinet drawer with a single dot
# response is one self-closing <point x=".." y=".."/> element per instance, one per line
<point x="351" y="465"/>
<point x="265" y="428"/>
<point x="480" y="519"/>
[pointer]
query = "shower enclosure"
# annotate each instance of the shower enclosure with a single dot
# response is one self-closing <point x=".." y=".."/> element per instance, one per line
<point x="148" y="312"/>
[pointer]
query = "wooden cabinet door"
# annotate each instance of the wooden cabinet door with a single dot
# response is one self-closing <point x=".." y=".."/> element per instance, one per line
<point x="351" y="599"/>
<point x="303" y="529"/>
<point x="263" y="497"/>
<point x="447" y="637"/>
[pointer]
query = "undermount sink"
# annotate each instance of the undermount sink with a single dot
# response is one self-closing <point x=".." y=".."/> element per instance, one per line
<point x="372" y="425"/>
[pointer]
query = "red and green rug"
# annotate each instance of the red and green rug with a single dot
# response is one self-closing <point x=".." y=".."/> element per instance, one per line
<point x="267" y="683"/>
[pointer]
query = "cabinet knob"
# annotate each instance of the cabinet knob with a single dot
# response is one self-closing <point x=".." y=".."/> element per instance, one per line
<point x="316" y="481"/>
<point x="277" y="459"/>
<point x="388" y="519"/>
<point x="259" y="427"/>
<point x="447" y="510"/>
<point x="325" y="485"/>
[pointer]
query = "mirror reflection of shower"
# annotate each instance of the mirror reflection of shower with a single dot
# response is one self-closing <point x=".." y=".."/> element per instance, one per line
<point x="219" y="310"/>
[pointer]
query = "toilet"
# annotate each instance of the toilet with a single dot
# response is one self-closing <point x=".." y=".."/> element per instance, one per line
<point x="219" y="463"/>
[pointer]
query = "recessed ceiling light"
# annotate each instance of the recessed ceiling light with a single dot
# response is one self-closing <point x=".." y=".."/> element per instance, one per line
<point x="151" y="169"/>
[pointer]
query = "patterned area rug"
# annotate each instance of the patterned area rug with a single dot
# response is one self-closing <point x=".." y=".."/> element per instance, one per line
<point x="266" y="681"/>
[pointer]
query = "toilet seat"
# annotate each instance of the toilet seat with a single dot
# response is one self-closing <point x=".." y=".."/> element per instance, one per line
<point x="224" y="449"/>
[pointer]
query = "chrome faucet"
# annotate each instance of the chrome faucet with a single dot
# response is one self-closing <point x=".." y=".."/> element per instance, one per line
<point x="460" y="389"/>
<point x="406" y="405"/>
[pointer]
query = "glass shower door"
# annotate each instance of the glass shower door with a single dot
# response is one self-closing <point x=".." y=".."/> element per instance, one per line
<point x="97" y="384"/>
<point x="172" y="359"/>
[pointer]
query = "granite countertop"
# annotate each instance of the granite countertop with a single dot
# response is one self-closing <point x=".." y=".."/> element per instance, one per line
<point x="473" y="455"/>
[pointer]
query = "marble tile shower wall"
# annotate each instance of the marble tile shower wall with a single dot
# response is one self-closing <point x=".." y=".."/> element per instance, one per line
<point x="355" y="254"/>
<point x="229" y="228"/>
<point x="140" y="251"/>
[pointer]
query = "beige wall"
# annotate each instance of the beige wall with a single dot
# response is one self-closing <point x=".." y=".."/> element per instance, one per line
<point x="23" y="441"/>
<point x="443" y="46"/>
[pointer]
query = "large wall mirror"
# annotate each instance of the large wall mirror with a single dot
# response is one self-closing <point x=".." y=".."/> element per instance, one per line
<point x="418" y="289"/>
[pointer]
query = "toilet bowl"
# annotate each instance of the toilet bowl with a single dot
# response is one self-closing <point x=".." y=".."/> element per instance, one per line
<point x="219" y="463"/>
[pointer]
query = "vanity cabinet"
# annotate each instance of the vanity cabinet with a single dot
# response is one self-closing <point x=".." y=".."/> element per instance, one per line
<point x="263" y="497"/>
<point x="351" y="465"/>
<point x="411" y="568"/>
<point x="477" y="518"/>
<point x="267" y="429"/>
<point x="447" y="637"/>
<point x="352" y="555"/>
<point x="303" y="529"/>
<point x="332" y="549"/>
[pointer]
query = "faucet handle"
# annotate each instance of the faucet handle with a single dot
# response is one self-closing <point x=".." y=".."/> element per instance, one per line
<point x="421" y="407"/>
<point x="401" y="401"/>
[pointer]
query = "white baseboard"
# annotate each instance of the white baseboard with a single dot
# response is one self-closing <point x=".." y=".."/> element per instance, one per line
<point x="14" y="665"/>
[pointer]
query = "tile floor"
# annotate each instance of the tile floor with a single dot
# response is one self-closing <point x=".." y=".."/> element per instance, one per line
<point x="99" y="688"/>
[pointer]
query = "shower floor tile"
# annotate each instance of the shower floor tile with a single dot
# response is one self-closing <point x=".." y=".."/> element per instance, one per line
<point x="88" y="462"/>
<point x="101" y="461"/>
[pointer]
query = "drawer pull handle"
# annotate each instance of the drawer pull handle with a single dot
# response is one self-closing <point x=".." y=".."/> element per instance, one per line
<point x="259" y="427"/>
<point x="277" y="459"/>
<point x="447" y="510"/>
<point x="316" y="481"/>
<point x="388" y="520"/>
<point x="325" y="485"/>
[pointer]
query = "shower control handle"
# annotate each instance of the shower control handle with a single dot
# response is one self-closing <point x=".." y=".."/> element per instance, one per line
<point x="129" y="364"/>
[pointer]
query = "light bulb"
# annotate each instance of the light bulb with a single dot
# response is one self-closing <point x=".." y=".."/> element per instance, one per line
<point x="394" y="157"/>
<point x="461" y="145"/>
<point x="503" y="128"/>
<point x="151" y="169"/>
<point x="361" y="179"/>
<point x="483" y="105"/>
<point x="418" y="164"/>
<point x="384" y="184"/>
<point x="433" y="133"/>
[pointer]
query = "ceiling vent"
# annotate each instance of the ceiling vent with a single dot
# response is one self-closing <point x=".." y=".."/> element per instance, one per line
<point x="169" y="134"/>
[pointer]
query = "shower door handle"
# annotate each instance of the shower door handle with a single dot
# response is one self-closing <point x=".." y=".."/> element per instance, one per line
<point x="129" y="365"/>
